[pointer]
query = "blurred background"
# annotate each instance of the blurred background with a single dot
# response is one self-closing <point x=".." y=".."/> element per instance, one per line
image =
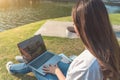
<point x="14" y="13"/>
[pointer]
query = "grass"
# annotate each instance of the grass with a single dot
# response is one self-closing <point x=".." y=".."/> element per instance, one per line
<point x="115" y="19"/>
<point x="8" y="47"/>
<point x="9" y="39"/>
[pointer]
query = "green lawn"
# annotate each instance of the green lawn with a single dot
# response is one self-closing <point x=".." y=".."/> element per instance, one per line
<point x="9" y="39"/>
<point x="115" y="19"/>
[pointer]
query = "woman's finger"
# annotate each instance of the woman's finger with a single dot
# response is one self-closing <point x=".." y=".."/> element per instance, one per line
<point x="45" y="69"/>
<point x="45" y="66"/>
<point x="56" y="65"/>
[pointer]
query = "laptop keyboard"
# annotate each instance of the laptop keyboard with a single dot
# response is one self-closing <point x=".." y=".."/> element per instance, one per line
<point x="41" y="60"/>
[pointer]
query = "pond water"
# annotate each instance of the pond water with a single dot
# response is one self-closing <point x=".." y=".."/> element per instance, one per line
<point x="20" y="15"/>
<point x="118" y="34"/>
<point x="113" y="9"/>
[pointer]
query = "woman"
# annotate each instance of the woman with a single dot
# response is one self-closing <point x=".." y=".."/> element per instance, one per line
<point x="100" y="60"/>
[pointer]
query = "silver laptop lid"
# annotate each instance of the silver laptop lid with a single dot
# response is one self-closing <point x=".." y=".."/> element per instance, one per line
<point x="32" y="48"/>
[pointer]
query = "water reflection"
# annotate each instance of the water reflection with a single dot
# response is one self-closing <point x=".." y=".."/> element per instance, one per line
<point x="117" y="34"/>
<point x="17" y="3"/>
<point x="20" y="15"/>
<point x="113" y="9"/>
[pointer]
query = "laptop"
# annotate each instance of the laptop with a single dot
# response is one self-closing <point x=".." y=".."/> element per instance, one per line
<point x="35" y="54"/>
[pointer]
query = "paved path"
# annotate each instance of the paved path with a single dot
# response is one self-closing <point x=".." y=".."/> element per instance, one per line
<point x="116" y="28"/>
<point x="59" y="29"/>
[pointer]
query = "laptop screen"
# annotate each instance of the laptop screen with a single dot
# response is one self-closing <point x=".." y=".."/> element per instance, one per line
<point x="32" y="48"/>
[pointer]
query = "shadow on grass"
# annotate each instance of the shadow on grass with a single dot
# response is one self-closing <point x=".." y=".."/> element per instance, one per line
<point x="25" y="77"/>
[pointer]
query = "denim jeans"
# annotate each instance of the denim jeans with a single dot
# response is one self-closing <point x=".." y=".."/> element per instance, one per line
<point x="22" y="68"/>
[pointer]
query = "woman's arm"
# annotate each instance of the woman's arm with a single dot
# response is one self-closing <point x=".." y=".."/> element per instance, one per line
<point x="54" y="69"/>
<point x="59" y="74"/>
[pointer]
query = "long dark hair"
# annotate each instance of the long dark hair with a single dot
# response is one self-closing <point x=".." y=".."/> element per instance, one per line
<point x="92" y="22"/>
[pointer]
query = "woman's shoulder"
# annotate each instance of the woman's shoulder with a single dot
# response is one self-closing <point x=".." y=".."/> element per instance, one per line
<point x="85" y="60"/>
<point x="84" y="66"/>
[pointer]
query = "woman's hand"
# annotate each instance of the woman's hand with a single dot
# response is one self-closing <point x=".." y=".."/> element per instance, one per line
<point x="52" y="69"/>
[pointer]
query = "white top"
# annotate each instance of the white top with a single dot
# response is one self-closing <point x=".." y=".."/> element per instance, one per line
<point x="84" y="67"/>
